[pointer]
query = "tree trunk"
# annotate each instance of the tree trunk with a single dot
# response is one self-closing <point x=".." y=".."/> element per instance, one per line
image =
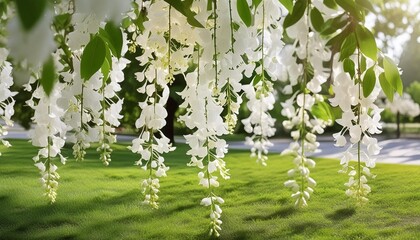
<point x="168" y="130"/>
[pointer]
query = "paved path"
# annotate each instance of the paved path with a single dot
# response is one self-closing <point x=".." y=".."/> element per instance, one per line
<point x="401" y="151"/>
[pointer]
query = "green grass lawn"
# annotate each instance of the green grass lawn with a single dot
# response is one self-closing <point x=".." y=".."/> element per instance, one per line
<point x="97" y="202"/>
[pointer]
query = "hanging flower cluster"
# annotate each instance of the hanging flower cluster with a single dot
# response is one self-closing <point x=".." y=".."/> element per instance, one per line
<point x="230" y="63"/>
<point x="81" y="100"/>
<point x="92" y="104"/>
<point x="82" y="103"/>
<point x="207" y="150"/>
<point x="6" y="96"/>
<point x="358" y="77"/>
<point x="110" y="108"/>
<point x="306" y="74"/>
<point x="165" y="52"/>
<point x="49" y="134"/>
<point x="205" y="108"/>
<point x="265" y="56"/>
<point x="361" y="120"/>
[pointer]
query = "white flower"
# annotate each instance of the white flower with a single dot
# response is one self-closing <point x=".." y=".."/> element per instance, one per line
<point x="84" y="25"/>
<point x="340" y="140"/>
<point x="372" y="145"/>
<point x="361" y="118"/>
<point x="308" y="103"/>
<point x="308" y="49"/>
<point x="49" y="135"/>
<point x="34" y="45"/>
<point x="355" y="133"/>
<point x="206" y="202"/>
<point x="6" y="96"/>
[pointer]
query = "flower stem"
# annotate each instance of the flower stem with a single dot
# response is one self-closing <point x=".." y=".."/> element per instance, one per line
<point x="359" y="109"/>
<point x="262" y="43"/>
<point x="231" y="26"/>
<point x="81" y="108"/>
<point x="169" y="40"/>
<point x="215" y="42"/>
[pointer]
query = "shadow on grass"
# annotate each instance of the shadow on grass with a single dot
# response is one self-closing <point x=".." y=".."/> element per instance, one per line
<point x="341" y="214"/>
<point x="18" y="222"/>
<point x="129" y="196"/>
<point x="282" y="213"/>
<point x="22" y="223"/>
<point x="180" y="208"/>
<point x="237" y="235"/>
<point x="304" y="227"/>
<point x="242" y="235"/>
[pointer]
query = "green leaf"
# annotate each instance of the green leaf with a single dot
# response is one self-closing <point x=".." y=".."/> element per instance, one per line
<point x="92" y="58"/>
<point x="210" y="5"/>
<point x="348" y="66"/>
<point x="366" y="4"/>
<point x="369" y="82"/>
<point x="350" y="7"/>
<point x="393" y="75"/>
<point x="322" y="110"/>
<point x="257" y="79"/>
<point x="30" y="12"/>
<point x="139" y="22"/>
<point x="386" y="87"/>
<point x="126" y="22"/>
<point x="332" y="25"/>
<point x="256" y="3"/>
<point x="317" y="19"/>
<point x="107" y="64"/>
<point x="105" y="69"/>
<point x="188" y="2"/>
<point x="3" y="8"/>
<point x="348" y="47"/>
<point x="330" y="3"/>
<point x="297" y="13"/>
<point x="185" y="10"/>
<point x="115" y="38"/>
<point x="288" y="4"/>
<point x="62" y="21"/>
<point x="108" y="56"/>
<point x="367" y="42"/>
<point x="338" y="40"/>
<point x="48" y="76"/>
<point x="363" y="64"/>
<point x="244" y="12"/>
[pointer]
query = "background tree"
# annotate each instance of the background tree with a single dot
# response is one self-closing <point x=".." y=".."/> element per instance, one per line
<point x="410" y="60"/>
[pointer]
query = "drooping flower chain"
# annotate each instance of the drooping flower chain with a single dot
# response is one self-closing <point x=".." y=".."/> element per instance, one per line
<point x="358" y="76"/>
<point x="207" y="150"/>
<point x="260" y="91"/>
<point x="81" y="99"/>
<point x="305" y="73"/>
<point x="6" y="96"/>
<point x="111" y="106"/>
<point x="361" y="119"/>
<point x="155" y="77"/>
<point x="82" y="102"/>
<point x="49" y="134"/>
<point x="204" y="109"/>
